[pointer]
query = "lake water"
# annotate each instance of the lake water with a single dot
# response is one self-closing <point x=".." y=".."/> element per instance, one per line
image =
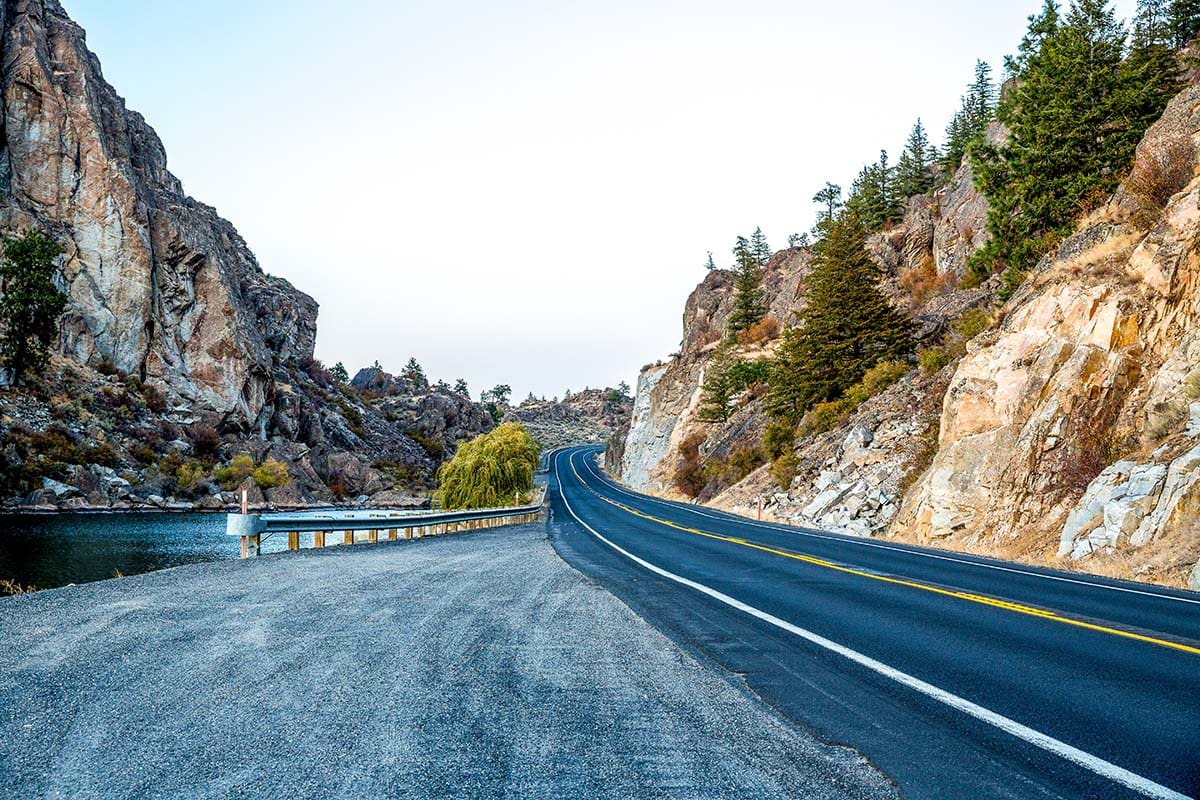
<point x="53" y="550"/>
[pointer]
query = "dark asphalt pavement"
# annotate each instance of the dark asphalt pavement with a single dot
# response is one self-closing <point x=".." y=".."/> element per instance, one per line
<point x="960" y="677"/>
<point x="466" y="666"/>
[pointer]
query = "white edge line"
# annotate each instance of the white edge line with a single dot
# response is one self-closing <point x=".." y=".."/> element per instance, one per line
<point x="781" y="528"/>
<point x="1048" y="743"/>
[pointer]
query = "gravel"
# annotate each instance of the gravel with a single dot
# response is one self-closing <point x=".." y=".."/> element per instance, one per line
<point x="477" y="665"/>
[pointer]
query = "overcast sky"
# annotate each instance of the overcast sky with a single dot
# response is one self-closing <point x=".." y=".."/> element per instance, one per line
<point x="524" y="192"/>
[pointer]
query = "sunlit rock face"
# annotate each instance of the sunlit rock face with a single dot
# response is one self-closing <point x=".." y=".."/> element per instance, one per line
<point x="159" y="284"/>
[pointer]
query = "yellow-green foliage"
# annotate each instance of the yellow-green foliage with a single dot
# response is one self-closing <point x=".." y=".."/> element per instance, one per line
<point x="490" y="470"/>
<point x="271" y="473"/>
<point x="236" y="471"/>
<point x="267" y="475"/>
<point x="826" y="416"/>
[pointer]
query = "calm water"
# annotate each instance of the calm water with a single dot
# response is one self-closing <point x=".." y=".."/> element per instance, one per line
<point x="54" y="550"/>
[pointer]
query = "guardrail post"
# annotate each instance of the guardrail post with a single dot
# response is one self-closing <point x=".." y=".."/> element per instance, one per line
<point x="391" y="534"/>
<point x="347" y="537"/>
<point x="318" y="538"/>
<point x="373" y="535"/>
<point x="248" y="528"/>
<point x="293" y="540"/>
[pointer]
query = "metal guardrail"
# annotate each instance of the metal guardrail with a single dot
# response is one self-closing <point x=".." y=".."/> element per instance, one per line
<point x="252" y="528"/>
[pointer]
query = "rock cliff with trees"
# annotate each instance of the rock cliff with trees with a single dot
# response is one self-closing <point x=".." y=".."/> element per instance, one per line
<point x="988" y="346"/>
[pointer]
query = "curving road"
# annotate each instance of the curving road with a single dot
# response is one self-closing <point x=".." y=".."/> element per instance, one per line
<point x="957" y="676"/>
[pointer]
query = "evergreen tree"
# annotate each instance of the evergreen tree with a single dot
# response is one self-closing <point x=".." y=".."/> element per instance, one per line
<point x="1183" y="20"/>
<point x="847" y="326"/>
<point x="32" y="303"/>
<point x="968" y="126"/>
<point x="414" y="375"/>
<point x="1150" y="75"/>
<point x="1075" y="115"/>
<point x="873" y="197"/>
<point x="760" y="248"/>
<point x="830" y="200"/>
<point x="339" y="373"/>
<point x="798" y="240"/>
<point x="710" y="265"/>
<point x="747" y="286"/>
<point x="460" y="387"/>
<point x="717" y="390"/>
<point x="914" y="170"/>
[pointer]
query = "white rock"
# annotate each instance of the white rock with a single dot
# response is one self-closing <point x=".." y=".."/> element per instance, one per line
<point x="1122" y="517"/>
<point x="1180" y="483"/>
<point x="1193" y="426"/>
<point x="826" y="479"/>
<point x="1146" y="479"/>
<point x="59" y="488"/>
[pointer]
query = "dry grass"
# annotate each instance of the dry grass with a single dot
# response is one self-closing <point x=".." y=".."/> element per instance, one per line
<point x="1157" y="175"/>
<point x="9" y="588"/>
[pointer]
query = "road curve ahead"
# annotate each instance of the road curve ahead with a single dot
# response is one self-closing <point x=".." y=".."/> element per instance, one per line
<point x="957" y="676"/>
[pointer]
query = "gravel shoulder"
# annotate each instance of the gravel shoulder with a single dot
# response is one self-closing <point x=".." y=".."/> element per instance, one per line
<point x="477" y="665"/>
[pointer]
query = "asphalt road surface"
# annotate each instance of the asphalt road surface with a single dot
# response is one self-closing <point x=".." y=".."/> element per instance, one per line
<point x="959" y="677"/>
<point x="466" y="666"/>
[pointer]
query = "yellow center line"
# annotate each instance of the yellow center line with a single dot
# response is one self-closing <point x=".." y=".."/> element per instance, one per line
<point x="820" y="562"/>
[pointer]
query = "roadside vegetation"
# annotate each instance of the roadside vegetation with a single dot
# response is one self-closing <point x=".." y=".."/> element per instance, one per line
<point x="491" y="470"/>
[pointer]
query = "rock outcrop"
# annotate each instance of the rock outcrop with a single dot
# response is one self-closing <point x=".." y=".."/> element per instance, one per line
<point x="1065" y="430"/>
<point x="160" y="285"/>
<point x="587" y="416"/>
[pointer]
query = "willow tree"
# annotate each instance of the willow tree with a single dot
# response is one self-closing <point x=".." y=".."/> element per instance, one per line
<point x="490" y="470"/>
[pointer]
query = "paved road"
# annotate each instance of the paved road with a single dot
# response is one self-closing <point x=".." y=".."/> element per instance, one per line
<point x="957" y="676"/>
<point x="468" y="666"/>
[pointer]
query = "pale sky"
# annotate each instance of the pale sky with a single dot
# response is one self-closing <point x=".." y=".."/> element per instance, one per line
<point x="524" y="192"/>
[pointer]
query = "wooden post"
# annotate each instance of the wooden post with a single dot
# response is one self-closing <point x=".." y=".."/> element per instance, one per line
<point x="392" y="535"/>
<point x="348" y="537"/>
<point x="293" y="540"/>
<point x="760" y="507"/>
<point x="372" y="536"/>
<point x="245" y="504"/>
<point x="408" y="533"/>
<point x="318" y="538"/>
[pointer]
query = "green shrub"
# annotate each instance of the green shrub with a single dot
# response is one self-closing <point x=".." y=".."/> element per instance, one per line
<point x="778" y="438"/>
<point x="827" y="416"/>
<point x="237" y="470"/>
<point x="784" y="470"/>
<point x="144" y="453"/>
<point x="742" y="461"/>
<point x="490" y="470"/>
<point x="270" y="474"/>
<point x="190" y="476"/>
<point x="103" y="454"/>
<point x="434" y="448"/>
<point x="932" y="359"/>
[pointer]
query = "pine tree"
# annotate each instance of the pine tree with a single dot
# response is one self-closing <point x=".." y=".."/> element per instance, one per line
<point x="460" y="387"/>
<point x="872" y="195"/>
<point x="847" y="326"/>
<point x="32" y="303"/>
<point x="798" y="240"/>
<point x="1075" y="115"/>
<point x="748" y="293"/>
<point x="1183" y="20"/>
<point x="710" y="265"/>
<point x="830" y="199"/>
<point x="1150" y="75"/>
<point x="717" y="390"/>
<point x="760" y="248"/>
<point x="414" y="375"/>
<point x="914" y="170"/>
<point x="968" y="126"/>
<point x="339" y="373"/>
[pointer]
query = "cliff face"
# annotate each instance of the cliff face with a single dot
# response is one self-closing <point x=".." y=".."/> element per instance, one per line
<point x="1091" y="371"/>
<point x="160" y="285"/>
<point x="590" y="415"/>
<point x="668" y="394"/>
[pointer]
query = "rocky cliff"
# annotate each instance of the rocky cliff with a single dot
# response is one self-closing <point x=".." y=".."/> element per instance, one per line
<point x="177" y="356"/>
<point x="588" y="416"/>
<point x="1067" y="432"/>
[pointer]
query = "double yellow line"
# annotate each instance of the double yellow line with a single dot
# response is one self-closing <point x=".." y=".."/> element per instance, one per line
<point x="926" y="587"/>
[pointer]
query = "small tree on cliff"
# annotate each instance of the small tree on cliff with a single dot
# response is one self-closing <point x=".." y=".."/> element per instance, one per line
<point x="339" y="373"/>
<point x="414" y="375"/>
<point x="717" y="390"/>
<point x="710" y="265"/>
<point x="848" y="326"/>
<point x="748" y="294"/>
<point x="460" y="387"/>
<point x="31" y="304"/>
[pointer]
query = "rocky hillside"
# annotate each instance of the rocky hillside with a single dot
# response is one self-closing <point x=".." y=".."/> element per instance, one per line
<point x="177" y="353"/>
<point x="1061" y="427"/>
<point x="591" y="415"/>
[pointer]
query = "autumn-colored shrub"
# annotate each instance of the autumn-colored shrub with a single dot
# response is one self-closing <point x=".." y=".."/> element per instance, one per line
<point x="760" y="332"/>
<point x="1159" y="174"/>
<point x="689" y="470"/>
<point x="237" y="470"/>
<point x="205" y="441"/>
